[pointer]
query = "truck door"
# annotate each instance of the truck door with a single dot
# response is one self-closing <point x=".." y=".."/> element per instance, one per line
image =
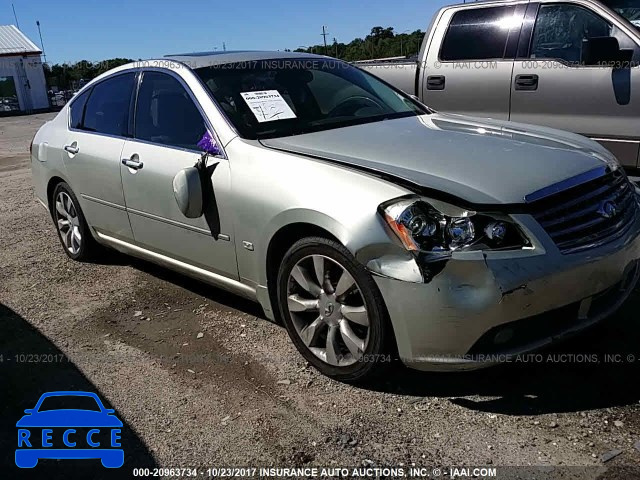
<point x="577" y="70"/>
<point x="469" y="60"/>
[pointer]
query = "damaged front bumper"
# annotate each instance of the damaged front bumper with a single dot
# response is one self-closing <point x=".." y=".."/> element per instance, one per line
<point x="481" y="307"/>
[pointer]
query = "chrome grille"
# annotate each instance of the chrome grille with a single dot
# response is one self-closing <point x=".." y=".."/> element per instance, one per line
<point x="587" y="215"/>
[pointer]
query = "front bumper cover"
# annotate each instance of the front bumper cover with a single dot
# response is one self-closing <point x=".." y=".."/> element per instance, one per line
<point x="481" y="306"/>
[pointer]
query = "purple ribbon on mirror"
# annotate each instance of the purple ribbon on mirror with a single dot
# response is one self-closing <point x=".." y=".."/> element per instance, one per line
<point x="209" y="145"/>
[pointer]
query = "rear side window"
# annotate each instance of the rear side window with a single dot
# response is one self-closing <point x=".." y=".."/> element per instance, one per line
<point x="107" y="109"/>
<point x="77" y="109"/>
<point x="478" y="34"/>
<point x="166" y="114"/>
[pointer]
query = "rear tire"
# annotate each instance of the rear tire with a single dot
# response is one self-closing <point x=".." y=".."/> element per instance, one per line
<point x="333" y="310"/>
<point x="73" y="231"/>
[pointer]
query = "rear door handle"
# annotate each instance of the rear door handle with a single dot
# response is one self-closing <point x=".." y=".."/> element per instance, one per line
<point x="72" y="149"/>
<point x="527" y="82"/>
<point x="435" y="82"/>
<point x="133" y="162"/>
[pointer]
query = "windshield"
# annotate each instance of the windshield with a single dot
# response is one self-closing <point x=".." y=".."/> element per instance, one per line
<point x="629" y="9"/>
<point x="278" y="98"/>
<point x="69" y="402"/>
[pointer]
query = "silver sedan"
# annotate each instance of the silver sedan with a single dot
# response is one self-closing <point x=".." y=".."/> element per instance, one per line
<point x="371" y="226"/>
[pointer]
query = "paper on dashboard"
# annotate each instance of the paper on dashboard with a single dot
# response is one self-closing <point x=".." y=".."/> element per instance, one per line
<point x="268" y="105"/>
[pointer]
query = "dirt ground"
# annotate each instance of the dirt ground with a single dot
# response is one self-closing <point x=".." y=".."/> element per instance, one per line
<point x="242" y="396"/>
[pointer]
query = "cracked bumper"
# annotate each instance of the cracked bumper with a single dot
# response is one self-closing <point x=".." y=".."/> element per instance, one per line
<point x="485" y="306"/>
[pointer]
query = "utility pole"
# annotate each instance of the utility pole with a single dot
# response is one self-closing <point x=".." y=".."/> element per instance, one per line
<point x="335" y="42"/>
<point x="41" y="42"/>
<point x="15" y="16"/>
<point x="324" y="35"/>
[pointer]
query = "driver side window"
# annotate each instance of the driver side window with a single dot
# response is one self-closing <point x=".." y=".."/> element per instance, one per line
<point x="561" y="29"/>
<point x="166" y="114"/>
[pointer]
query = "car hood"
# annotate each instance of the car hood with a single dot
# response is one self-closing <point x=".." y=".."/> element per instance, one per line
<point x="481" y="161"/>
<point x="69" y="418"/>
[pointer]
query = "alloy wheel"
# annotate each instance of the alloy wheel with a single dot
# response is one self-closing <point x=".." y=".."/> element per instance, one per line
<point x="328" y="310"/>
<point x="68" y="223"/>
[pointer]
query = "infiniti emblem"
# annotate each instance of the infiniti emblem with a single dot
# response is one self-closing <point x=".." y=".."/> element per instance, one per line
<point x="608" y="209"/>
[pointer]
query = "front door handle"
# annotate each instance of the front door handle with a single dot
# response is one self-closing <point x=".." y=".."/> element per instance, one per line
<point x="134" y="162"/>
<point x="72" y="149"/>
<point x="527" y="82"/>
<point x="435" y="82"/>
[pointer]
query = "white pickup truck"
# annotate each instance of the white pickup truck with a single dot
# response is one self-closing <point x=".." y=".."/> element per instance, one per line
<point x="570" y="64"/>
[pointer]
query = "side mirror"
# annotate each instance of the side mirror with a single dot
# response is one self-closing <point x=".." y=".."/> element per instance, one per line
<point x="109" y="411"/>
<point x="29" y="411"/>
<point x="188" y="192"/>
<point x="600" y="51"/>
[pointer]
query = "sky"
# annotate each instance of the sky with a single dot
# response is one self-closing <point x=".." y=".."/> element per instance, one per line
<point x="94" y="31"/>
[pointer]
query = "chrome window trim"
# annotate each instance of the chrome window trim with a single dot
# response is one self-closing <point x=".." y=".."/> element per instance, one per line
<point x="139" y="72"/>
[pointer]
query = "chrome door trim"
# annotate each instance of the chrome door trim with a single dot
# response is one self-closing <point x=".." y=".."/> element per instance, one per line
<point x="103" y="202"/>
<point x="613" y="139"/>
<point x="191" y="270"/>
<point x="174" y="223"/>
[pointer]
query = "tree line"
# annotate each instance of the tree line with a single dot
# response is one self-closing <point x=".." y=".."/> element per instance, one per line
<point x="380" y="43"/>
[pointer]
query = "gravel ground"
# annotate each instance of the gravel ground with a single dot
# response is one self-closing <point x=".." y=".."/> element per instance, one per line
<point x="201" y="378"/>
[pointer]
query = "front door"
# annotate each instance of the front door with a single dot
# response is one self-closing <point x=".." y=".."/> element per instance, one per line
<point x="168" y="126"/>
<point x="554" y="85"/>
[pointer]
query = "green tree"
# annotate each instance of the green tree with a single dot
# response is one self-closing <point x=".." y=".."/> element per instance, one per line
<point x="380" y="43"/>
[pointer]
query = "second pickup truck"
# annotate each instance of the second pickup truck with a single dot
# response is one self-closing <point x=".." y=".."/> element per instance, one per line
<point x="572" y="65"/>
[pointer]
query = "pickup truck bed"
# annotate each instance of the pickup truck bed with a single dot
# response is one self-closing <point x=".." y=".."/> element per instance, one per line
<point x="399" y="73"/>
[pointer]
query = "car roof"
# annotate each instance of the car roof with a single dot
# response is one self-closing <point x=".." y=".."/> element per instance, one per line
<point x="71" y="394"/>
<point x="484" y="2"/>
<point x="207" y="59"/>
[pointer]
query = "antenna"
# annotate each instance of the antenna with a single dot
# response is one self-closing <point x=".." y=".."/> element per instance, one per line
<point x="15" y="16"/>
<point x="324" y="34"/>
<point x="41" y="42"/>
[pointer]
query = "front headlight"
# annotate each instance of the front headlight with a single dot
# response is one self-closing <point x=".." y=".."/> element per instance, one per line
<point x="421" y="226"/>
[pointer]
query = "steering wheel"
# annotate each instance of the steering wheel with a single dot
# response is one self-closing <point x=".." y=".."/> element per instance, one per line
<point x="350" y="106"/>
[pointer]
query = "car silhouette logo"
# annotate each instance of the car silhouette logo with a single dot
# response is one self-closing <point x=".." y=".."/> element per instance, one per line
<point x="52" y="430"/>
<point x="608" y="209"/>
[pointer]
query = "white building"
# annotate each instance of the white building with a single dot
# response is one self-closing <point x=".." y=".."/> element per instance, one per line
<point x="22" y="83"/>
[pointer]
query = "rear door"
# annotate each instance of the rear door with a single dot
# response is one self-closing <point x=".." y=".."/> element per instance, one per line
<point x="554" y="85"/>
<point x="470" y="58"/>
<point x="98" y="126"/>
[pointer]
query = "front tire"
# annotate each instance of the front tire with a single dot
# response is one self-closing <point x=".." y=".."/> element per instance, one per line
<point x="73" y="231"/>
<point x="333" y="310"/>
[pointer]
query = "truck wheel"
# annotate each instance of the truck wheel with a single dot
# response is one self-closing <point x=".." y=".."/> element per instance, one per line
<point x="332" y="310"/>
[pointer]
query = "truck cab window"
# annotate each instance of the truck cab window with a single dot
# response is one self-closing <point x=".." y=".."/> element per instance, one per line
<point x="478" y="34"/>
<point x="561" y="30"/>
<point x="627" y="9"/>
